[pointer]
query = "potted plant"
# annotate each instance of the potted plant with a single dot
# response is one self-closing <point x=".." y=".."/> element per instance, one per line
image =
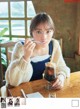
<point x="3" y="57"/>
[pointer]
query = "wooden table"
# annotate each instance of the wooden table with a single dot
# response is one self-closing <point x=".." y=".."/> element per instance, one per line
<point x="71" y="87"/>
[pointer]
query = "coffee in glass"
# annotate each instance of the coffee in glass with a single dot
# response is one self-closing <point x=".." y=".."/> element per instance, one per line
<point x="50" y="73"/>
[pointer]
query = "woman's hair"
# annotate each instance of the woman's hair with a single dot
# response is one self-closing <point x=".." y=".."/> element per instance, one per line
<point x="41" y="18"/>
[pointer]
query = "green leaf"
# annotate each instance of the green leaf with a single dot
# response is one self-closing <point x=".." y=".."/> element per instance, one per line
<point x="3" y="59"/>
<point x="3" y="56"/>
<point x="4" y="63"/>
<point x="2" y="32"/>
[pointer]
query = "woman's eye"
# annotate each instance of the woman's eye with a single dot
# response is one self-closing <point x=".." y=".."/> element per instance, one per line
<point x="39" y="32"/>
<point x="48" y="31"/>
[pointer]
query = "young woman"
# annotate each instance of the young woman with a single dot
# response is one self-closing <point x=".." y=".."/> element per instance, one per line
<point x="29" y="57"/>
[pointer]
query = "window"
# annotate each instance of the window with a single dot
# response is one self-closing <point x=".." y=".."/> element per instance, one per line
<point x="16" y="16"/>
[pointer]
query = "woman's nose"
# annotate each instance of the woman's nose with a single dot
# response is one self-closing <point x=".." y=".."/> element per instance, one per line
<point x="44" y="36"/>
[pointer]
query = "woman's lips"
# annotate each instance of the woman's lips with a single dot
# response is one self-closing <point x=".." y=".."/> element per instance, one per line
<point x="40" y="42"/>
<point x="43" y="42"/>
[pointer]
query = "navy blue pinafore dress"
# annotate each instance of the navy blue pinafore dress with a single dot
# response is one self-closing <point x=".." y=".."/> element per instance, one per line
<point x="39" y="67"/>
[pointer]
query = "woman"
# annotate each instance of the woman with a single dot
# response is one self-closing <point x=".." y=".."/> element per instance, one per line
<point x="29" y="57"/>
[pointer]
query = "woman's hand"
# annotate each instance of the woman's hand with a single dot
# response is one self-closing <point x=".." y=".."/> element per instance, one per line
<point x="58" y="84"/>
<point x="28" y="48"/>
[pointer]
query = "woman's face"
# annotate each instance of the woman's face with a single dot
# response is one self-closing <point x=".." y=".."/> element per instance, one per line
<point x="43" y="34"/>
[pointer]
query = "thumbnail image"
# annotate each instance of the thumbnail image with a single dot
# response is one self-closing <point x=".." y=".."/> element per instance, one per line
<point x="3" y="102"/>
<point x="22" y="101"/>
<point x="9" y="102"/>
<point x="17" y="101"/>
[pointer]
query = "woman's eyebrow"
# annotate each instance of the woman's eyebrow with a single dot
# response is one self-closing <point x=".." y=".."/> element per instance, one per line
<point x="45" y="29"/>
<point x="38" y="29"/>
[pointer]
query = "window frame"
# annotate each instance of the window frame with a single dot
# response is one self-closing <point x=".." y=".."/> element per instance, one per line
<point x="10" y="36"/>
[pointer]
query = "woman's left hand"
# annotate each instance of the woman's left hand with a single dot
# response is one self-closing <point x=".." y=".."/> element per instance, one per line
<point x="58" y="84"/>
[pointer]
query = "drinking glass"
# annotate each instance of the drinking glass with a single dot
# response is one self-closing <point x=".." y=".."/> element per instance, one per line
<point x="50" y="74"/>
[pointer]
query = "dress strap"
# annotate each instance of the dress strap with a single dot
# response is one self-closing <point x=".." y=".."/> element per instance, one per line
<point x="50" y="47"/>
<point x="22" y="42"/>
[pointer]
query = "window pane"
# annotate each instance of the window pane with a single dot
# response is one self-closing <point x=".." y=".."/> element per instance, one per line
<point x="30" y="9"/>
<point x="4" y="39"/>
<point x="17" y="27"/>
<point x="17" y="9"/>
<point x="3" y="9"/>
<point x="4" y="24"/>
<point x="28" y="27"/>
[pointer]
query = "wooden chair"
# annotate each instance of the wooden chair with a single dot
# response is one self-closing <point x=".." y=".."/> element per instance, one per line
<point x="8" y="46"/>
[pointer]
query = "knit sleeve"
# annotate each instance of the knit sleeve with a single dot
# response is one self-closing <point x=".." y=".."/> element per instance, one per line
<point x="19" y="70"/>
<point x="57" y="57"/>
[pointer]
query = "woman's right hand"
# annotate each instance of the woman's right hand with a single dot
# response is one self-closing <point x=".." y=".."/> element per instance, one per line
<point x="28" y="48"/>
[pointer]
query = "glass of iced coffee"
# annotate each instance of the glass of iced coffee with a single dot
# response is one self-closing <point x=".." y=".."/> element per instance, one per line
<point x="50" y="74"/>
